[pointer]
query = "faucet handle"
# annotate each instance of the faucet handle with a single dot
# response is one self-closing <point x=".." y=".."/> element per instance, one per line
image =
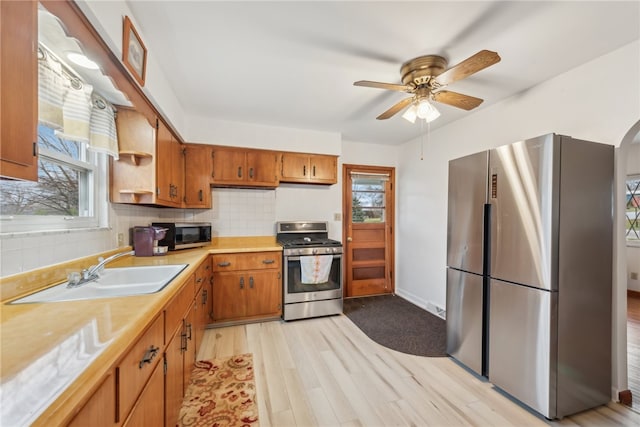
<point x="73" y="278"/>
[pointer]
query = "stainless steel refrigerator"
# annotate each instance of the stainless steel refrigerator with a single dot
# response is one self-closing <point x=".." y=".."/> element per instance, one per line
<point x="529" y="277"/>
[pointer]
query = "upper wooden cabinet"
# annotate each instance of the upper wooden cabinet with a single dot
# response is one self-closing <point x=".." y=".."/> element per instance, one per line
<point x="242" y="167"/>
<point x="150" y="169"/>
<point x="19" y="88"/>
<point x="198" y="170"/>
<point x="169" y="167"/>
<point x="309" y="168"/>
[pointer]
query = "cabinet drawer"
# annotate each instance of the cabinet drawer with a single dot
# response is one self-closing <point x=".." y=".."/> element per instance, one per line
<point x="247" y="261"/>
<point x="138" y="364"/>
<point x="175" y="311"/>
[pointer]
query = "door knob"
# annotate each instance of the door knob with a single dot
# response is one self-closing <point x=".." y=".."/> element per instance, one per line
<point x="349" y="239"/>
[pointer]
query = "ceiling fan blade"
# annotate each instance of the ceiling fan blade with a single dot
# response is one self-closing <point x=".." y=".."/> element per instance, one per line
<point x="388" y="86"/>
<point x="471" y="65"/>
<point x="455" y="99"/>
<point x="395" y="109"/>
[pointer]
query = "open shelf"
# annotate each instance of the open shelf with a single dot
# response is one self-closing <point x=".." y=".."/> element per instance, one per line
<point x="135" y="156"/>
<point x="136" y="194"/>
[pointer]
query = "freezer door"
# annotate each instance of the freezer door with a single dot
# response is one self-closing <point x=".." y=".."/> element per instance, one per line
<point x="522" y="344"/>
<point x="464" y="318"/>
<point x="523" y="193"/>
<point x="467" y="197"/>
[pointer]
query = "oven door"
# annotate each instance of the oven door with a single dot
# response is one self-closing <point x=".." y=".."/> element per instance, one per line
<point x="297" y="291"/>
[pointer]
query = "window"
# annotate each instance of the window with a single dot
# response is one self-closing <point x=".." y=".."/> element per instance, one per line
<point x="64" y="196"/>
<point x="632" y="211"/>
<point x="368" y="197"/>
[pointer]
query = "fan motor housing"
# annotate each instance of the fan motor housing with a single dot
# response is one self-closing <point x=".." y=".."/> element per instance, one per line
<point x="420" y="70"/>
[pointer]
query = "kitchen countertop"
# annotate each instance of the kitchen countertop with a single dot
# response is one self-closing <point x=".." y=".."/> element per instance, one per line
<point x="54" y="355"/>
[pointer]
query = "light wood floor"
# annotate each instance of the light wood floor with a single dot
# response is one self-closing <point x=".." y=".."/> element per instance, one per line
<point x="326" y="372"/>
<point x="633" y="348"/>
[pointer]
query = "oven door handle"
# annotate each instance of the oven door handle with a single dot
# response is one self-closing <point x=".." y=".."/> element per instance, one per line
<point x="297" y="258"/>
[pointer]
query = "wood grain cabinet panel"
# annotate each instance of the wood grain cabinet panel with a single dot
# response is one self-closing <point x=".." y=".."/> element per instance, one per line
<point x="169" y="167"/>
<point x="100" y="409"/>
<point x="308" y="168"/>
<point x="198" y="171"/>
<point x="19" y="88"/>
<point x="136" y="367"/>
<point x="242" y="167"/>
<point x="247" y="286"/>
<point x="149" y="408"/>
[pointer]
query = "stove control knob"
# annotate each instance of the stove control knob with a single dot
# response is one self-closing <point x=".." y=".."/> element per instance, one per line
<point x="314" y="251"/>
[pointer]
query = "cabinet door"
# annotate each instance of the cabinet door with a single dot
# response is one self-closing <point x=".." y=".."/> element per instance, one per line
<point x="174" y="375"/>
<point x="229" y="166"/>
<point x="19" y="87"/>
<point x="265" y="293"/>
<point x="164" y="152"/>
<point x="295" y="167"/>
<point x="177" y="171"/>
<point x="100" y="410"/>
<point x="190" y="350"/>
<point x="262" y="168"/>
<point x="198" y="169"/>
<point x="324" y="169"/>
<point x="149" y="409"/>
<point x="228" y="295"/>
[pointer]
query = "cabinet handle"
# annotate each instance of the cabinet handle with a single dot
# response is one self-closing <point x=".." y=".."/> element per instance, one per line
<point x="268" y="261"/>
<point x="224" y="264"/>
<point x="189" y="328"/>
<point x="314" y="170"/>
<point x="242" y="283"/>
<point x="250" y="172"/>
<point x="148" y="356"/>
<point x="251" y="282"/>
<point x="205" y="296"/>
<point x="239" y="171"/>
<point x="183" y="339"/>
<point x="200" y="195"/>
<point x="304" y="170"/>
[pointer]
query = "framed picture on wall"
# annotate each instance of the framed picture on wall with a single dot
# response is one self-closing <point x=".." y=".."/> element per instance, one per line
<point x="134" y="53"/>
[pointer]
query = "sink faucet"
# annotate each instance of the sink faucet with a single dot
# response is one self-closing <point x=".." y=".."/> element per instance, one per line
<point x="92" y="273"/>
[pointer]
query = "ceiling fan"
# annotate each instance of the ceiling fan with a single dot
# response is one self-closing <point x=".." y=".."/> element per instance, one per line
<point x="426" y="77"/>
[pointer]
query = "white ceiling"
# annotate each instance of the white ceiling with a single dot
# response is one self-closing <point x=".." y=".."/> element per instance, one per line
<point x="293" y="64"/>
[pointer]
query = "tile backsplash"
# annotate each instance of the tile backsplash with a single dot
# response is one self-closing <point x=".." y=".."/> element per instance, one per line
<point x="235" y="212"/>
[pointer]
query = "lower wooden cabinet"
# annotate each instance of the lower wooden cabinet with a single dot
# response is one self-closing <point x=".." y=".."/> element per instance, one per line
<point x="147" y="385"/>
<point x="100" y="410"/>
<point x="247" y="286"/>
<point x="149" y="408"/>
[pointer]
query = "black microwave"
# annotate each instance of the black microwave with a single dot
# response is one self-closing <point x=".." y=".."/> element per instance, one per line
<point x="184" y="235"/>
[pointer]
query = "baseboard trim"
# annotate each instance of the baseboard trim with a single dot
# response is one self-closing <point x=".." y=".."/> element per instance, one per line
<point x="625" y="397"/>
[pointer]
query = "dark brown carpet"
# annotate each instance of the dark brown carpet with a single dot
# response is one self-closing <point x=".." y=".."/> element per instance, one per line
<point x="399" y="325"/>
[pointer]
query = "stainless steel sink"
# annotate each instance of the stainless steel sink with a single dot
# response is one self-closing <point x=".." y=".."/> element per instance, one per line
<point x="113" y="282"/>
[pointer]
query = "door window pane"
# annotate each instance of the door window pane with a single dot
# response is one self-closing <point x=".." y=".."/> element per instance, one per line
<point x="368" y="199"/>
<point x="633" y="208"/>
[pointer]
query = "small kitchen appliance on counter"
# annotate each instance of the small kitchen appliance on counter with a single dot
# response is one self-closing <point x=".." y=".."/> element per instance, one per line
<point x="312" y="265"/>
<point x="185" y="235"/>
<point x="145" y="240"/>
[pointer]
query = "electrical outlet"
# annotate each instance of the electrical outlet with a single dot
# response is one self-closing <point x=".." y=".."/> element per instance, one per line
<point x="337" y="217"/>
<point x="120" y="239"/>
<point x="633" y="275"/>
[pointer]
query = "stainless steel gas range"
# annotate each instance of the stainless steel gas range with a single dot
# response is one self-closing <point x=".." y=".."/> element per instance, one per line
<point x="312" y="265"/>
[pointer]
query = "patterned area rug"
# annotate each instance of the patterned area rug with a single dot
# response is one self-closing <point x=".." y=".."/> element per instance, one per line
<point x="399" y="325"/>
<point x="221" y="393"/>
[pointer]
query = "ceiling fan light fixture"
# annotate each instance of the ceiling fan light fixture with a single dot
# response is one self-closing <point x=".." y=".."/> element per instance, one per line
<point x="411" y="114"/>
<point x="425" y="110"/>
